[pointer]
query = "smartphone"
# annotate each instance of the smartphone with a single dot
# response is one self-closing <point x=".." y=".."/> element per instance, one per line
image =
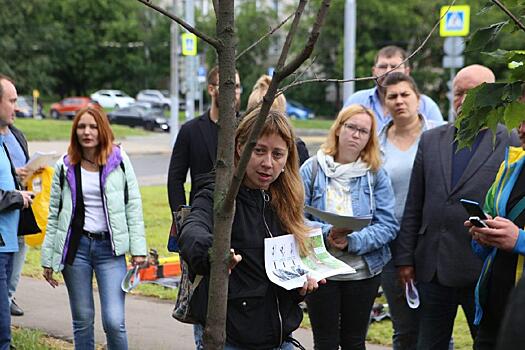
<point x="476" y="221"/>
<point x="473" y="209"/>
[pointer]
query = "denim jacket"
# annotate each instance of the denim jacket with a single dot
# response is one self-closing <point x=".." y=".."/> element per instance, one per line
<point x="371" y="194"/>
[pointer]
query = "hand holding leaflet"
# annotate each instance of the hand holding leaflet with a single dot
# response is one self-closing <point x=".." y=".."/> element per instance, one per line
<point x="286" y="268"/>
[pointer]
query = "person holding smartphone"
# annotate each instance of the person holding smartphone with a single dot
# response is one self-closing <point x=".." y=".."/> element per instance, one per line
<point x="501" y="245"/>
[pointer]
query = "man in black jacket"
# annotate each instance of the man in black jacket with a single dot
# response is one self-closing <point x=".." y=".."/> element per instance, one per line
<point x="196" y="145"/>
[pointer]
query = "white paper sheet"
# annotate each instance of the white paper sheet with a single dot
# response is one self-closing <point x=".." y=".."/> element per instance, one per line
<point x="354" y="223"/>
<point x="286" y="268"/>
<point x="40" y="159"/>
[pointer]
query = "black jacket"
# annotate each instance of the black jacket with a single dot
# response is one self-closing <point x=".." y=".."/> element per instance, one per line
<point x="196" y="150"/>
<point x="254" y="303"/>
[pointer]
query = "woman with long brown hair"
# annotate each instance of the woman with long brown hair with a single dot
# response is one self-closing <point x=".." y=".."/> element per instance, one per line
<point x="346" y="178"/>
<point x="260" y="315"/>
<point x="95" y="218"/>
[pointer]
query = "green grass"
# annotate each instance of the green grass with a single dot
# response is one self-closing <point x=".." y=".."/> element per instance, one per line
<point x="47" y="129"/>
<point x="312" y="124"/>
<point x="24" y="338"/>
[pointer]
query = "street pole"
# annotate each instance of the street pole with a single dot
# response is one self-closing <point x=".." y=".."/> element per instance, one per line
<point x="190" y="76"/>
<point x="451" y="112"/>
<point x="174" y="78"/>
<point x="349" y="47"/>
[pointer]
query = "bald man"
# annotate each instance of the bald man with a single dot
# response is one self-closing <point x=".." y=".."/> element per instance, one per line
<point x="434" y="248"/>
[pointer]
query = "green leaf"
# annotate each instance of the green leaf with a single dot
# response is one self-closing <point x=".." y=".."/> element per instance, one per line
<point x="514" y="114"/>
<point x="489" y="94"/>
<point x="483" y="36"/>
<point x="513" y="91"/>
<point x="499" y="54"/>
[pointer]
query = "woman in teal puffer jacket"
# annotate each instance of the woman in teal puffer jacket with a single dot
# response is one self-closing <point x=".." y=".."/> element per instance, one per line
<point x="95" y="217"/>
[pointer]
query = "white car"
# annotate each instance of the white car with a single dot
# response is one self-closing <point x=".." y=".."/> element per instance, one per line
<point x="156" y="97"/>
<point x="112" y="98"/>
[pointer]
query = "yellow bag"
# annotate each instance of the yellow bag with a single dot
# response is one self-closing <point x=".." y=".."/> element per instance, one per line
<point x="40" y="184"/>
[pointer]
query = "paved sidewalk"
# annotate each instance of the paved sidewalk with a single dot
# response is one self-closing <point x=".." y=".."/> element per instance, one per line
<point x="149" y="322"/>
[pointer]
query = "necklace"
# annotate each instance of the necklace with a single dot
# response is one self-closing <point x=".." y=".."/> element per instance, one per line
<point x="89" y="161"/>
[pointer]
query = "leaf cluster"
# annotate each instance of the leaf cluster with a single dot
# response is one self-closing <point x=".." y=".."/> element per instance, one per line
<point x="491" y="103"/>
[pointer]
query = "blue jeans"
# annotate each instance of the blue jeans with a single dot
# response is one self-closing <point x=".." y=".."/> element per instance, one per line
<point x="437" y="312"/>
<point x="18" y="264"/>
<point x="96" y="256"/>
<point x="6" y="263"/>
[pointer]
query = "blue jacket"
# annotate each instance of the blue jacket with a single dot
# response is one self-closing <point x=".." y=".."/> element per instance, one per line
<point x="372" y="241"/>
<point x="496" y="205"/>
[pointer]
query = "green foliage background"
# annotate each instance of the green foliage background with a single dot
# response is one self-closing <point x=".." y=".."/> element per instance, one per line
<point x="70" y="47"/>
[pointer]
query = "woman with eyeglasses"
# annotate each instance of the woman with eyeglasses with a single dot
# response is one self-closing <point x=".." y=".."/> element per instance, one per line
<point x="399" y="141"/>
<point x="346" y="178"/>
<point x="95" y="218"/>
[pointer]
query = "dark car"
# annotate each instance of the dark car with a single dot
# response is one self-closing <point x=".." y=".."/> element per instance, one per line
<point x="24" y="108"/>
<point x="140" y="114"/>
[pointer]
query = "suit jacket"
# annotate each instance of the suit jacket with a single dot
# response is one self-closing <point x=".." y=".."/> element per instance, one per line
<point x="193" y="150"/>
<point x="432" y="237"/>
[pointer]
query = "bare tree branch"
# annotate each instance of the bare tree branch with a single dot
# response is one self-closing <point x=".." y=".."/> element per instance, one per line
<point x="332" y="80"/>
<point x="291" y="34"/>
<point x="216" y="7"/>
<point x="510" y="14"/>
<point x="210" y="40"/>
<point x="307" y="51"/>
<point x="272" y="30"/>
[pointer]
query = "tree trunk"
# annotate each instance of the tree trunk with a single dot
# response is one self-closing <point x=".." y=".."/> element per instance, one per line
<point x="215" y="334"/>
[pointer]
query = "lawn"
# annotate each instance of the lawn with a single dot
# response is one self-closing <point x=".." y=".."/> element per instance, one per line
<point x="157" y="222"/>
<point x="312" y="124"/>
<point x="47" y="129"/>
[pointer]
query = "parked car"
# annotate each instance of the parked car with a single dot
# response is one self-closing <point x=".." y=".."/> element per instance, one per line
<point x="112" y="98"/>
<point x="296" y="110"/>
<point x="142" y="114"/>
<point x="159" y="98"/>
<point x="69" y="106"/>
<point x="24" y="109"/>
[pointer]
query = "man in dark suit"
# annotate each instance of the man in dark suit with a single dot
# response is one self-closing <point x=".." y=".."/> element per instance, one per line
<point x="433" y="245"/>
<point x="196" y="145"/>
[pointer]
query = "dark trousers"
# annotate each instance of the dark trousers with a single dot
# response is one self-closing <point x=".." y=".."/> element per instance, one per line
<point x="340" y="313"/>
<point x="437" y="312"/>
<point x="404" y="319"/>
<point x="6" y="264"/>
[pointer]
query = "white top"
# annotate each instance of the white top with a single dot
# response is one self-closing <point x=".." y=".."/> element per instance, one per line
<point x="95" y="220"/>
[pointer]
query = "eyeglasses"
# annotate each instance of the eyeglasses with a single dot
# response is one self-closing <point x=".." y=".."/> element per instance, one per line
<point x="238" y="87"/>
<point x="352" y="128"/>
<point x="387" y="66"/>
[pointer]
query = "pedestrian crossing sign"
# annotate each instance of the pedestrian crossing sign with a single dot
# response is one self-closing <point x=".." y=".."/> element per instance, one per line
<point x="455" y="20"/>
<point x="189" y="44"/>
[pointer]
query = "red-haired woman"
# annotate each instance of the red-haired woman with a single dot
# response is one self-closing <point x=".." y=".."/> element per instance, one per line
<point x="95" y="218"/>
